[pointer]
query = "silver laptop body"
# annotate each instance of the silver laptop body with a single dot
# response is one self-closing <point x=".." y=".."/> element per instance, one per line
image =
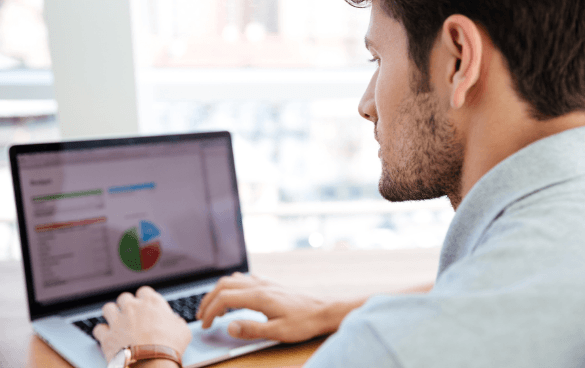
<point x="100" y="217"/>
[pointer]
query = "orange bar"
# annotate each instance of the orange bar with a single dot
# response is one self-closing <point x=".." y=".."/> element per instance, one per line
<point x="68" y="225"/>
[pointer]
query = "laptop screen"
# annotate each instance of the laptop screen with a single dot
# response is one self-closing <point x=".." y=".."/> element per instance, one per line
<point x="101" y="218"/>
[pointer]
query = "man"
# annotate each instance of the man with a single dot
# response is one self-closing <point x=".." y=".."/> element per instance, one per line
<point x="482" y="101"/>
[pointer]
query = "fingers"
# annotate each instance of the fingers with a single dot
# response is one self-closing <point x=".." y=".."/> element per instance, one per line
<point x="251" y="330"/>
<point x="100" y="331"/>
<point x="110" y="312"/>
<point x="236" y="281"/>
<point x="124" y="299"/>
<point x="146" y="292"/>
<point x="247" y="298"/>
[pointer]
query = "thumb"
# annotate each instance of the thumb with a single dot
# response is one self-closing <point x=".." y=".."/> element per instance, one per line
<point x="252" y="330"/>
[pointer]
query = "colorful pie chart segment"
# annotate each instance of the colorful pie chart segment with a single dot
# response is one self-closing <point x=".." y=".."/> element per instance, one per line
<point x="149" y="231"/>
<point x="140" y="252"/>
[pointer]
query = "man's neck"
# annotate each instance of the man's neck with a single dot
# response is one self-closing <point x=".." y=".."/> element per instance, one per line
<point x="492" y="141"/>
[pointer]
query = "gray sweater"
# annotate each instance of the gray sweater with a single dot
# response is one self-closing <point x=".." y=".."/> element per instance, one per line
<point x="510" y="291"/>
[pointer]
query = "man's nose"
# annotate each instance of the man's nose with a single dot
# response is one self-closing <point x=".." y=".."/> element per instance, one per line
<point x="367" y="106"/>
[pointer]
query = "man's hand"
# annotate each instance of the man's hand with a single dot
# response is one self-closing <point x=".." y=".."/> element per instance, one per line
<point x="292" y="317"/>
<point x="146" y="319"/>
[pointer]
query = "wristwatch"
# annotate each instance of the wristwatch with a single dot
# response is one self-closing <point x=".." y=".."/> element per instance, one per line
<point x="131" y="354"/>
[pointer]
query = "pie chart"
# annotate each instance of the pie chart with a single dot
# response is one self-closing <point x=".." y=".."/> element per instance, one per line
<point x="140" y="246"/>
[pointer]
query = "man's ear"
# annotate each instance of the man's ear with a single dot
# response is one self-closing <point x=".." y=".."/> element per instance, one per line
<point x="461" y="37"/>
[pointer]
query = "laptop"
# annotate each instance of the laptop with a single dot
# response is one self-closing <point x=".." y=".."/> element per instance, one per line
<point x="100" y="217"/>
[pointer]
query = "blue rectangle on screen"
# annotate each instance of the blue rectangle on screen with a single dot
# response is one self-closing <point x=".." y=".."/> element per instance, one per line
<point x="131" y="188"/>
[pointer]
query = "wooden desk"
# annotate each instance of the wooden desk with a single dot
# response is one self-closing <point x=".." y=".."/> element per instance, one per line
<point x="326" y="273"/>
<point x="42" y="356"/>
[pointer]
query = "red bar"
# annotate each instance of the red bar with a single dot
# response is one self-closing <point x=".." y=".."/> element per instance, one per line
<point x="68" y="225"/>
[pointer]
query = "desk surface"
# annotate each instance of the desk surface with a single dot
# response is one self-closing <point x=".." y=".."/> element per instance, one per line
<point x="326" y="273"/>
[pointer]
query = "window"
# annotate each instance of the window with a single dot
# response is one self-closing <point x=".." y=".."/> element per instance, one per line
<point x="23" y="35"/>
<point x="285" y="78"/>
<point x="27" y="108"/>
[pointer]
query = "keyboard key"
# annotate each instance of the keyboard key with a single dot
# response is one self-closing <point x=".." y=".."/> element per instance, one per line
<point x="87" y="325"/>
<point x="185" y="307"/>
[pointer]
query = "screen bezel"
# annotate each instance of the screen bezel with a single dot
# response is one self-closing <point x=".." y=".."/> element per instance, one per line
<point x="38" y="309"/>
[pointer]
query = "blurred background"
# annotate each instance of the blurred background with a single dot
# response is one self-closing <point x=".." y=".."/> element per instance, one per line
<point x="285" y="77"/>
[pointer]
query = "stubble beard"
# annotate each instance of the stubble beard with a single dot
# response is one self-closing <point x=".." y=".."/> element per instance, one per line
<point x="428" y="158"/>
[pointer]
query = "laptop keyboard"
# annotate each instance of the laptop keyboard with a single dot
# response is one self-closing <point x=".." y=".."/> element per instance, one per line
<point x="187" y="307"/>
<point x="184" y="307"/>
<point x="87" y="325"/>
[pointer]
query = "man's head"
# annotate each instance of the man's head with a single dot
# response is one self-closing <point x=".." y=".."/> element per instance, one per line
<point x="442" y="65"/>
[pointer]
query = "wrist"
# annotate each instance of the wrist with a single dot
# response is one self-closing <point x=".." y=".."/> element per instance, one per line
<point x="155" y="363"/>
<point x="332" y="313"/>
<point x="136" y="355"/>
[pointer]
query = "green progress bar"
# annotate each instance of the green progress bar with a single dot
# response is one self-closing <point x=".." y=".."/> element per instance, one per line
<point x="55" y="197"/>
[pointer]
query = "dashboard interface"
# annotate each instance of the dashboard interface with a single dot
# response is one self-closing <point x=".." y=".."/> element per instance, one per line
<point x="101" y="218"/>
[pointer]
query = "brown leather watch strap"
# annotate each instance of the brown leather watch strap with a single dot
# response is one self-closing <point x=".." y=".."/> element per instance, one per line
<point x="143" y="352"/>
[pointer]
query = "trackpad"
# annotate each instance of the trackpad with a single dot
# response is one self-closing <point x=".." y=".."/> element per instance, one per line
<point x="217" y="335"/>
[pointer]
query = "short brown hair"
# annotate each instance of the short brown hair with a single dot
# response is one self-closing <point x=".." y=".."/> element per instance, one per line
<point x="543" y="42"/>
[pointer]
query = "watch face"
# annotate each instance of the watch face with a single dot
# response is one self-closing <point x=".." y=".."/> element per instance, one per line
<point x="119" y="361"/>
